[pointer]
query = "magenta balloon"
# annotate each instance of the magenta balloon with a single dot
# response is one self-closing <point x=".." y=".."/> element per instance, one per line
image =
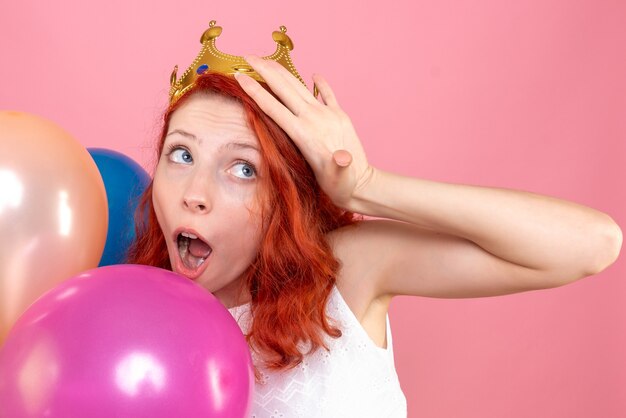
<point x="126" y="341"/>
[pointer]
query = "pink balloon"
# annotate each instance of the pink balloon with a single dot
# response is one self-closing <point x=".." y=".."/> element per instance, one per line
<point x="126" y="341"/>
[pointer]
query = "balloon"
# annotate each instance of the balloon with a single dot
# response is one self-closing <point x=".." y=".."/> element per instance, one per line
<point x="126" y="341"/>
<point x="53" y="211"/>
<point x="124" y="181"/>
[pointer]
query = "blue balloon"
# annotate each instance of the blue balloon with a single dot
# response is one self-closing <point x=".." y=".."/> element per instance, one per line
<point x="124" y="181"/>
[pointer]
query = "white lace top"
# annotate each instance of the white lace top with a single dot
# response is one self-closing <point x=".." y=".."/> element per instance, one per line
<point x="355" y="379"/>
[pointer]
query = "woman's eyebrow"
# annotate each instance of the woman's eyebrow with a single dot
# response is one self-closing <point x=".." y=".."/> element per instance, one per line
<point x="228" y="145"/>
<point x="239" y="145"/>
<point x="183" y="133"/>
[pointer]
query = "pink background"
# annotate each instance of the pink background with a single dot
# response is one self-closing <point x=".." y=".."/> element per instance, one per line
<point x="526" y="95"/>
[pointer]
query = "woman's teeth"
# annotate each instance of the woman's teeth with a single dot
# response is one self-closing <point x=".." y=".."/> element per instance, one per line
<point x="189" y="259"/>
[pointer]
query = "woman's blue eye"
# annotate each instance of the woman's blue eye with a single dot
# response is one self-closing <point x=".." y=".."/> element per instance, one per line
<point x="180" y="155"/>
<point x="244" y="170"/>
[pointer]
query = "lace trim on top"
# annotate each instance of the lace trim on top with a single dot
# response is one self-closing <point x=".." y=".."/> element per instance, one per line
<point x="354" y="378"/>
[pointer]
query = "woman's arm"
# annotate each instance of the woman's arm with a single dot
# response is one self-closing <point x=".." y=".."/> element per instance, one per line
<point x="456" y="240"/>
<point x="470" y="241"/>
<point x="532" y="230"/>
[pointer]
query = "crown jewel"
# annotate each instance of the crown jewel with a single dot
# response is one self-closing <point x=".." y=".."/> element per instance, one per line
<point x="211" y="59"/>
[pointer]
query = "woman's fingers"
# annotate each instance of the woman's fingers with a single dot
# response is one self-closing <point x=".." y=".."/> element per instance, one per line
<point x="328" y="96"/>
<point x="268" y="103"/>
<point x="291" y="79"/>
<point x="284" y="84"/>
<point x="321" y="130"/>
<point x="311" y="125"/>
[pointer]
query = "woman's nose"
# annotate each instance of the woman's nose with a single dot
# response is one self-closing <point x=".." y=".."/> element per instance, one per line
<point x="196" y="204"/>
<point x="196" y="197"/>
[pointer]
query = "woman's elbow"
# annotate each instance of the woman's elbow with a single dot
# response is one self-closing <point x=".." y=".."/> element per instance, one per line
<point x="611" y="245"/>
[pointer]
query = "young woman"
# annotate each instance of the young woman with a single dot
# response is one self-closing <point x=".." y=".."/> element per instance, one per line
<point x="255" y="197"/>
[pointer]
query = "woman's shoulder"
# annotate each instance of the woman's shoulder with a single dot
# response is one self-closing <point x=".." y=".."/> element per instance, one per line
<point x="356" y="247"/>
<point x="365" y="249"/>
<point x="352" y="247"/>
<point x="356" y="279"/>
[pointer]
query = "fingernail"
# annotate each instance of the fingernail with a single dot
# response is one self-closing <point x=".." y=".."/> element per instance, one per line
<point x="342" y="158"/>
<point x="239" y="76"/>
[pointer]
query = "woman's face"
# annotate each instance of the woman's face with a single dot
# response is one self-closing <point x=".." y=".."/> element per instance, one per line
<point x="205" y="186"/>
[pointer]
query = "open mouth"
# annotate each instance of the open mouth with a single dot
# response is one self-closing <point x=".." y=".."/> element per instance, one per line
<point x="193" y="253"/>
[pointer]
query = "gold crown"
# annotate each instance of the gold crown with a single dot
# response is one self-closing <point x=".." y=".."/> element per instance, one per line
<point x="211" y="59"/>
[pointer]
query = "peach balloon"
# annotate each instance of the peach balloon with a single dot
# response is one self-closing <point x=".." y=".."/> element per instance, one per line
<point x="53" y="211"/>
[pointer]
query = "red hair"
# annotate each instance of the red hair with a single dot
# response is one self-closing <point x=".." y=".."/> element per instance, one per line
<point x="293" y="274"/>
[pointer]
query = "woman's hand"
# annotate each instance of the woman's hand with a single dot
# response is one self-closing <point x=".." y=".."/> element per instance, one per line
<point x="322" y="131"/>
